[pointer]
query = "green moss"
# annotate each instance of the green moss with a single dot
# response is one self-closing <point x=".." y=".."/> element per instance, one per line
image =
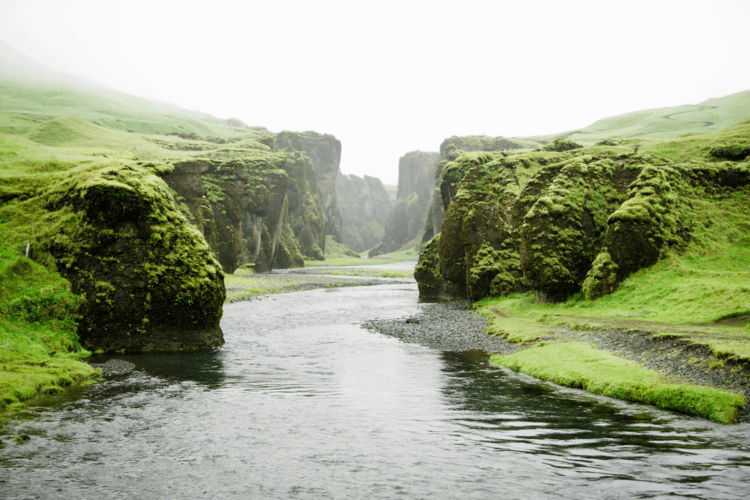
<point x="575" y="364"/>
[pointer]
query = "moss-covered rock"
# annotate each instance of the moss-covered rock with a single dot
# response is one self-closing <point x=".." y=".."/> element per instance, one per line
<point x="562" y="232"/>
<point x="325" y="152"/>
<point x="148" y="279"/>
<point x="660" y="215"/>
<point x="306" y="213"/>
<point x="237" y="204"/>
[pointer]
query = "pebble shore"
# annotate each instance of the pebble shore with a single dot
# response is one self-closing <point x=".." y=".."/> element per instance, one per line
<point x="446" y="326"/>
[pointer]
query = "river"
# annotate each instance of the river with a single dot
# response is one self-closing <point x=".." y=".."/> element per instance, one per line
<point x="302" y="402"/>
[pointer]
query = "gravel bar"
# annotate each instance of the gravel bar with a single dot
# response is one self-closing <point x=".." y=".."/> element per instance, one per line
<point x="446" y="326"/>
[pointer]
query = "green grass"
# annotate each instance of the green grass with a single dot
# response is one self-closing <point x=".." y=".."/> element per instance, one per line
<point x="651" y="124"/>
<point x="39" y="349"/>
<point x="367" y="272"/>
<point x="345" y="261"/>
<point x="575" y="364"/>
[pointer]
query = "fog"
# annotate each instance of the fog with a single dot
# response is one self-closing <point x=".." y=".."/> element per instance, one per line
<point x="387" y="78"/>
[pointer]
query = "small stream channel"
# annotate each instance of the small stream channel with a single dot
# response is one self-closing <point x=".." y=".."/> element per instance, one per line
<point x="304" y="403"/>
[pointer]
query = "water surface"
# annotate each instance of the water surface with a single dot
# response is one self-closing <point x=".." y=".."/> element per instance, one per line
<point x="303" y="403"/>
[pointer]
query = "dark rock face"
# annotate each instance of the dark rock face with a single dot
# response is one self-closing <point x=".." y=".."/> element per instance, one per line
<point x="325" y="152"/>
<point x="415" y="186"/>
<point x="306" y="213"/>
<point x="238" y="205"/>
<point x="148" y="279"/>
<point x="561" y="223"/>
<point x="365" y="207"/>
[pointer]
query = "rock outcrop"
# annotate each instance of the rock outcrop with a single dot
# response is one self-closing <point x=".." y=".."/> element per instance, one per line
<point x="365" y="207"/>
<point x="451" y="149"/>
<point x="562" y="222"/>
<point x="147" y="279"/>
<point x="416" y="174"/>
<point x="261" y="208"/>
<point x="325" y="152"/>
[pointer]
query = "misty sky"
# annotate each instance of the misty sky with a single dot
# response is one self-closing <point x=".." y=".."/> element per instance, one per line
<point x="391" y="77"/>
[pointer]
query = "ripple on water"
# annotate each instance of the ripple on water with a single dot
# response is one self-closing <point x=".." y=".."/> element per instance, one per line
<point x="303" y="403"/>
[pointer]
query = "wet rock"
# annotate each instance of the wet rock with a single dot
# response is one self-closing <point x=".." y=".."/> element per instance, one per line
<point x="115" y="367"/>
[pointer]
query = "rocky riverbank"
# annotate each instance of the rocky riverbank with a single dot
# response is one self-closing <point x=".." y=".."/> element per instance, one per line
<point x="446" y="326"/>
<point x="450" y="326"/>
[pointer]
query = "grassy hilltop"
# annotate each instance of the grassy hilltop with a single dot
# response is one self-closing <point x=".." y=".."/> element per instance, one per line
<point x="709" y="116"/>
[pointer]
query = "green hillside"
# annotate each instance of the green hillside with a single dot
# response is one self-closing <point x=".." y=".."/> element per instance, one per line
<point x="708" y="116"/>
<point x="31" y="93"/>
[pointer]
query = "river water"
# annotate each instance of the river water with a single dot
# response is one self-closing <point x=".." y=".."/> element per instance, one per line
<point x="304" y="403"/>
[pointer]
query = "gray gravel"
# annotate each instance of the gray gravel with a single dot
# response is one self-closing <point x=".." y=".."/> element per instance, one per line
<point x="446" y="326"/>
<point x="115" y="367"/>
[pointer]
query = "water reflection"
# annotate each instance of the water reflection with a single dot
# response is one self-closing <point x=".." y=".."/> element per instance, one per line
<point x="203" y="367"/>
<point x="303" y="403"/>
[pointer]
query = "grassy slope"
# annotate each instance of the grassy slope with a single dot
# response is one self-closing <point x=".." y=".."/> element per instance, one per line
<point x="651" y="124"/>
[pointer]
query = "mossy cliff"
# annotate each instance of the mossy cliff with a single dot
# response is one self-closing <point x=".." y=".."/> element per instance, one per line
<point x="365" y="207"/>
<point x="416" y="174"/>
<point x="146" y="278"/>
<point x="568" y="221"/>
<point x="325" y="152"/>
<point x="450" y="150"/>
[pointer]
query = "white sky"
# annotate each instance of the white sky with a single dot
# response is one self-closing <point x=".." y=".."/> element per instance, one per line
<point x="391" y="77"/>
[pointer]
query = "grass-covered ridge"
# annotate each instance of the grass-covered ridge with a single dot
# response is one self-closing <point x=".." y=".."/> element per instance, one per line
<point x="579" y="365"/>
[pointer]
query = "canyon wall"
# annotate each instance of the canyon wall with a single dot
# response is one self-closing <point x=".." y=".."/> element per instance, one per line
<point x="416" y="177"/>
<point x="365" y="207"/>
<point x="325" y="152"/>
<point x="562" y="222"/>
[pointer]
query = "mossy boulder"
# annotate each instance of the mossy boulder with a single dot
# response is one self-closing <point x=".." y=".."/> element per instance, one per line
<point x="148" y="279"/>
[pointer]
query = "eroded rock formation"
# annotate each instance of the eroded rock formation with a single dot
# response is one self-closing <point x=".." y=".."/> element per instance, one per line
<point x="416" y="174"/>
<point x="562" y="222"/>
<point x="365" y="207"/>
<point x="325" y="152"/>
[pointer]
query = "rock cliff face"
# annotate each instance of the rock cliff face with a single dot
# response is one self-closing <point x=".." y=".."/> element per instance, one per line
<point x="325" y="152"/>
<point x="262" y="208"/>
<point x="416" y="174"/>
<point x="147" y="279"/>
<point x="563" y="222"/>
<point x="365" y="207"/>
<point x="450" y="150"/>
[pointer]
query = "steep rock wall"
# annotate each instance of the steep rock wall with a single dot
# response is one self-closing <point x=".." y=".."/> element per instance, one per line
<point x="582" y="223"/>
<point x="450" y="150"/>
<point x="365" y="207"/>
<point x="415" y="185"/>
<point x="238" y="205"/>
<point x="325" y="152"/>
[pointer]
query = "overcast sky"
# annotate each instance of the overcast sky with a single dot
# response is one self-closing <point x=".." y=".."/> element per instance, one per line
<point x="391" y="77"/>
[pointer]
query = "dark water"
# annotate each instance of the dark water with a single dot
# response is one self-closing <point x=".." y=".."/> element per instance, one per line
<point x="303" y="403"/>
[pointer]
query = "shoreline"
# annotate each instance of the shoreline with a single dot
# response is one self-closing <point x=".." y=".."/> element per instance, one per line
<point x="677" y="360"/>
